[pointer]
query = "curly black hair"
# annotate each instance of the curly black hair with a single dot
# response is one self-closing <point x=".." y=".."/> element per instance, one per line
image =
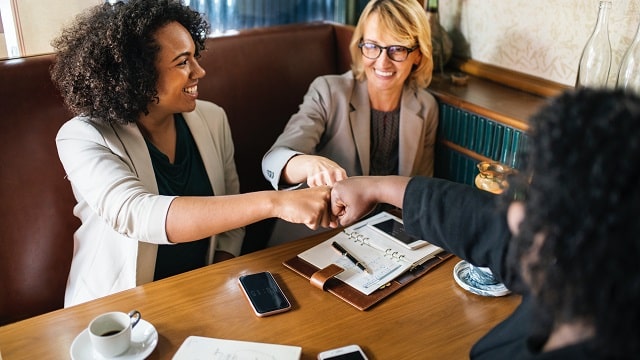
<point x="104" y="64"/>
<point x="583" y="171"/>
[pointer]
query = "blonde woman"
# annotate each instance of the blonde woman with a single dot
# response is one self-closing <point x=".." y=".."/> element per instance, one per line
<point x="377" y="119"/>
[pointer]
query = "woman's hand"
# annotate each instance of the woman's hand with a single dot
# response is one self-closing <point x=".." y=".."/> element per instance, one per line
<point x="316" y="170"/>
<point x="311" y="207"/>
<point x="352" y="199"/>
<point x="355" y="197"/>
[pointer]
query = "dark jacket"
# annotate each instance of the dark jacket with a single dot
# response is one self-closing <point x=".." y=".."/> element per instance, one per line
<point x="467" y="222"/>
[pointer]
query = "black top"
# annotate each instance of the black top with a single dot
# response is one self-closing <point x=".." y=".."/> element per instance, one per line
<point x="384" y="142"/>
<point x="462" y="220"/>
<point x="185" y="177"/>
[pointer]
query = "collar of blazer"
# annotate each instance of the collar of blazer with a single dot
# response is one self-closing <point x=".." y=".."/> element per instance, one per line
<point x="133" y="142"/>
<point x="411" y="127"/>
<point x="203" y="122"/>
<point x="136" y="149"/>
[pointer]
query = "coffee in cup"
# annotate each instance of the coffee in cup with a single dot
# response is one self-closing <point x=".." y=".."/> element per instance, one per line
<point x="110" y="333"/>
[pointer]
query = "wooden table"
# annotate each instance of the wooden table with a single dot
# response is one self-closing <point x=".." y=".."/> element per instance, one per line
<point x="432" y="317"/>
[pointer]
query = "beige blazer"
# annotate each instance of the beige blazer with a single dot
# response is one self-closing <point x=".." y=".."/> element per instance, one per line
<point x="334" y="121"/>
<point x="123" y="217"/>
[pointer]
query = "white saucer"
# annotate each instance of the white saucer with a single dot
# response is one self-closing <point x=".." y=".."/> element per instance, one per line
<point x="144" y="339"/>
<point x="461" y="274"/>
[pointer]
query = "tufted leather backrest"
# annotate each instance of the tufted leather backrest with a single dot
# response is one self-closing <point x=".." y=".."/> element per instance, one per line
<point x="36" y="219"/>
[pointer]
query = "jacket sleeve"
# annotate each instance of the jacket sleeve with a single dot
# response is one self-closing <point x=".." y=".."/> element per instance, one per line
<point x="459" y="218"/>
<point x="103" y="176"/>
<point x="302" y="134"/>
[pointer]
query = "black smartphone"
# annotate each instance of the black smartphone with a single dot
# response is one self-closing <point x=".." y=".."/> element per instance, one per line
<point x="395" y="229"/>
<point x="264" y="294"/>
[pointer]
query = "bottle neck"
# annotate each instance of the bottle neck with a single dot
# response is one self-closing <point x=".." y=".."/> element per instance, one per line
<point x="602" y="24"/>
<point x="432" y="6"/>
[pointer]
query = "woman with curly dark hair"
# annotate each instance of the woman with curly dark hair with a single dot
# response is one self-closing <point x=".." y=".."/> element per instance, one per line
<point x="569" y="243"/>
<point x="150" y="165"/>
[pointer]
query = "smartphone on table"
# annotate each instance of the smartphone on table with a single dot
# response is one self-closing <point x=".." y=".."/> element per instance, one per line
<point x="264" y="294"/>
<point x="395" y="229"/>
<point x="349" y="352"/>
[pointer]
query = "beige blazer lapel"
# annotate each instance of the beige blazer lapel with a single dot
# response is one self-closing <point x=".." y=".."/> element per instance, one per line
<point x="360" y="119"/>
<point x="135" y="146"/>
<point x="211" y="157"/>
<point x="141" y="161"/>
<point x="411" y="131"/>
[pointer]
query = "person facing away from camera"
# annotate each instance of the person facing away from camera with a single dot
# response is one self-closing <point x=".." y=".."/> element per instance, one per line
<point x="377" y="119"/>
<point x="151" y="166"/>
<point x="565" y="235"/>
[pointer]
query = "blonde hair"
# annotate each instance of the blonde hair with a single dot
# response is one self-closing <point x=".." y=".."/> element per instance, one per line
<point x="405" y="20"/>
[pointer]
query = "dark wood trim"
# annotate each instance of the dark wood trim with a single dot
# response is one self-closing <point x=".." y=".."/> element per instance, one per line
<point x="506" y="105"/>
<point x="464" y="151"/>
<point x="531" y="84"/>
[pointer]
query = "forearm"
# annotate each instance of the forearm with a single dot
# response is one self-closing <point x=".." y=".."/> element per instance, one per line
<point x="389" y="189"/>
<point x="191" y="218"/>
<point x="294" y="171"/>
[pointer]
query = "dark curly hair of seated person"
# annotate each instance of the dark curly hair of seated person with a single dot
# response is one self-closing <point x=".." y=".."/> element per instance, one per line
<point x="584" y="199"/>
<point x="105" y="60"/>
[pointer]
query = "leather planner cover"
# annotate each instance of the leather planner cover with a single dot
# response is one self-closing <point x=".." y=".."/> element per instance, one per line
<point x="355" y="297"/>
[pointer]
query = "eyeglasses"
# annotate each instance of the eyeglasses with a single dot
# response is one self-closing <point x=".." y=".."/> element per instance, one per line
<point x="394" y="52"/>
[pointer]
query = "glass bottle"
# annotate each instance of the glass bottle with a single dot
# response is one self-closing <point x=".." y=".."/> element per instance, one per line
<point x="440" y="40"/>
<point x="629" y="75"/>
<point x="595" y="61"/>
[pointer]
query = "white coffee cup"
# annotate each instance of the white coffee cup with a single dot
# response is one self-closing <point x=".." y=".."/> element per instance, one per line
<point x="110" y="333"/>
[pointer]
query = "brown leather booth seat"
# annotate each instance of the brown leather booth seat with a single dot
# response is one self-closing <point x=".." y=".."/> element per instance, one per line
<point x="258" y="76"/>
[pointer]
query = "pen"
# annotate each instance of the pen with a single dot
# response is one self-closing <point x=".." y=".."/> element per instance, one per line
<point x="352" y="258"/>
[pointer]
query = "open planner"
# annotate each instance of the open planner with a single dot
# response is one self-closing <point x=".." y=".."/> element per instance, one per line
<point x="371" y="264"/>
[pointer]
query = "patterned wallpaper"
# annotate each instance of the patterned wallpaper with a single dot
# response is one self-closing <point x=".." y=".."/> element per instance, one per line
<point x="541" y="38"/>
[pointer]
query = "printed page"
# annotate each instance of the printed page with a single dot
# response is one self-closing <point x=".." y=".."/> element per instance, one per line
<point x="381" y="269"/>
<point x="366" y="232"/>
<point x="200" y="348"/>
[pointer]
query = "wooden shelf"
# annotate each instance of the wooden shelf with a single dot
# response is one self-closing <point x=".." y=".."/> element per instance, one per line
<point x="495" y="101"/>
<point x="500" y="94"/>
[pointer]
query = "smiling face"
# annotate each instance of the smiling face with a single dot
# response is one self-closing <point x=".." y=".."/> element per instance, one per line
<point x="382" y="73"/>
<point x="178" y="71"/>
